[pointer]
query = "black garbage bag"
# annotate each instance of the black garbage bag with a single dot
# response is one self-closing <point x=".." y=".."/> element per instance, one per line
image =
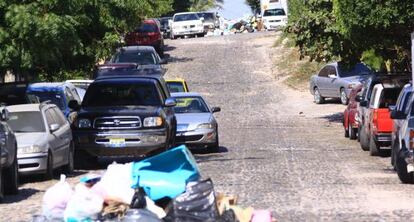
<point x="138" y="200"/>
<point x="140" y="215"/>
<point x="197" y="203"/>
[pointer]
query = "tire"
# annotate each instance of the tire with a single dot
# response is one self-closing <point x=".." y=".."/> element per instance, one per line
<point x="344" y="97"/>
<point x="215" y="148"/>
<point x="318" y="98"/>
<point x="70" y="167"/>
<point x="11" y="177"/>
<point x="394" y="151"/>
<point x="346" y="132"/>
<point x="84" y="160"/>
<point x="1" y="185"/>
<point x="352" y="132"/>
<point x="404" y="176"/>
<point x="359" y="132"/>
<point x="374" y="149"/>
<point x="49" y="169"/>
<point x="363" y="139"/>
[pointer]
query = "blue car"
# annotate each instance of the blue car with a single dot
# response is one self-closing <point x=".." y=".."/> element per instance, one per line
<point x="59" y="93"/>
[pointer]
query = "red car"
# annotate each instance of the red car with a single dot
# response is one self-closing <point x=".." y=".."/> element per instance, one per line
<point x="148" y="34"/>
<point x="350" y="120"/>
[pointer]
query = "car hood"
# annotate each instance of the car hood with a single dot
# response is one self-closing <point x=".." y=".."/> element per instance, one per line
<point x="191" y="22"/>
<point x="28" y="139"/>
<point x="190" y="121"/>
<point x="141" y="111"/>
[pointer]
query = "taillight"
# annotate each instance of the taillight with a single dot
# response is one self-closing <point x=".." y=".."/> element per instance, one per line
<point x="411" y="139"/>
<point x="375" y="118"/>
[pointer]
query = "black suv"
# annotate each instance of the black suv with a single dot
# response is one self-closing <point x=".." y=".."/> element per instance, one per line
<point x="124" y="116"/>
<point x="9" y="177"/>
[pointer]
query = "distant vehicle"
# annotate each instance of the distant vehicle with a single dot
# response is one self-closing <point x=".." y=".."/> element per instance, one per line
<point x="9" y="177"/>
<point x="350" y="120"/>
<point x="335" y="81"/>
<point x="380" y="124"/>
<point x="81" y="83"/>
<point x="147" y="34"/>
<point x="124" y="116"/>
<point x="401" y="109"/>
<point x="187" y="24"/>
<point x="396" y="79"/>
<point x="58" y="93"/>
<point x="165" y="26"/>
<point x="177" y="85"/>
<point x="196" y="125"/>
<point x="44" y="139"/>
<point x="143" y="56"/>
<point x="15" y="94"/>
<point x="122" y="69"/>
<point x="210" y="21"/>
<point x="274" y="18"/>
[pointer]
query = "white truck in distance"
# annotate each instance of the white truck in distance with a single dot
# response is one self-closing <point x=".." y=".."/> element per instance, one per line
<point x="187" y="24"/>
<point x="274" y="13"/>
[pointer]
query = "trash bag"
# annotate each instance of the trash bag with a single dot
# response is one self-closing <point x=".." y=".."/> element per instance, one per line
<point x="140" y="215"/>
<point x="166" y="174"/>
<point x="138" y="200"/>
<point x="262" y="216"/>
<point x="56" y="199"/>
<point x="84" y="205"/>
<point x="198" y="203"/>
<point x="228" y="216"/>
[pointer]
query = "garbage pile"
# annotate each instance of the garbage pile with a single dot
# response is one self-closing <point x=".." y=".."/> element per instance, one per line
<point x="163" y="188"/>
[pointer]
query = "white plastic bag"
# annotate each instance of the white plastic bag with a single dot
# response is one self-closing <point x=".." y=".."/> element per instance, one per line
<point x="56" y="198"/>
<point x="84" y="205"/>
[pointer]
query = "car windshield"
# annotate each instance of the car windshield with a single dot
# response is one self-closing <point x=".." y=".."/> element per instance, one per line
<point x="147" y="28"/>
<point x="186" y="17"/>
<point x="275" y="12"/>
<point x="176" y="87"/>
<point x="26" y="122"/>
<point x="54" y="97"/>
<point x="208" y="17"/>
<point x="140" y="57"/>
<point x="122" y="94"/>
<point x="190" y="105"/>
<point x="358" y="70"/>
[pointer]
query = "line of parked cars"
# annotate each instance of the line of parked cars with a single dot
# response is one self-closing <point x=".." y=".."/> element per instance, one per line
<point x="379" y="112"/>
<point x="127" y="110"/>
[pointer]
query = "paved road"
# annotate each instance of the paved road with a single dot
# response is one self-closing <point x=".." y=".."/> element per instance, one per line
<point x="279" y="150"/>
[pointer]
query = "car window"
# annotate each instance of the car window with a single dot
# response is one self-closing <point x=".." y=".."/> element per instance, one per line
<point x="406" y="102"/>
<point x="147" y="28"/>
<point x="68" y="95"/>
<point x="58" y="116"/>
<point x="141" y="58"/>
<point x="53" y="97"/>
<point x="176" y="87"/>
<point x="324" y="72"/>
<point x="208" y="17"/>
<point x="26" y="122"/>
<point x="122" y="94"/>
<point x="389" y="97"/>
<point x="275" y="12"/>
<point x="49" y="114"/>
<point x="76" y="95"/>
<point x="358" y="69"/>
<point x="374" y="94"/>
<point x="190" y="105"/>
<point x="186" y="17"/>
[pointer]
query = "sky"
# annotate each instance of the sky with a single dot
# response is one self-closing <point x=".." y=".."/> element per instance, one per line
<point x="234" y="9"/>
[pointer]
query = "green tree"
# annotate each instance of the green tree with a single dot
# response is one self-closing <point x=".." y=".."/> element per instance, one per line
<point x="254" y="5"/>
<point x="204" y="5"/>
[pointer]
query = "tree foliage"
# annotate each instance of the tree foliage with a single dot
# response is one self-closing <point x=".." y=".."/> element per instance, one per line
<point x="254" y="5"/>
<point x="50" y="36"/>
<point x="204" y="5"/>
<point x="351" y="30"/>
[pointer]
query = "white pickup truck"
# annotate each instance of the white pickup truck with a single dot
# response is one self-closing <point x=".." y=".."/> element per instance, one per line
<point x="187" y="24"/>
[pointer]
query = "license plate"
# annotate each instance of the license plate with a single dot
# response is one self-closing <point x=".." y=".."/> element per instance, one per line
<point x="410" y="168"/>
<point x="117" y="142"/>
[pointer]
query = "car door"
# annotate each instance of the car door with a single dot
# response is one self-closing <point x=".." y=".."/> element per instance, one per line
<point x="63" y="136"/>
<point x="322" y="81"/>
<point x="333" y="83"/>
<point x="51" y="137"/>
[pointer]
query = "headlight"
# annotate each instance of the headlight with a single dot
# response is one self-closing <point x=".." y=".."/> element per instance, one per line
<point x="205" y="126"/>
<point x="152" y="121"/>
<point x="29" y="149"/>
<point x="84" y="123"/>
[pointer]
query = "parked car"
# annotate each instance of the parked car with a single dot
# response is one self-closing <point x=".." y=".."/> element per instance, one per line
<point x="196" y="125"/>
<point x="58" y="93"/>
<point x="9" y="177"/>
<point x="402" y="108"/>
<point x="274" y="18"/>
<point x="177" y="85"/>
<point x="165" y="26"/>
<point x="124" y="116"/>
<point x="210" y="21"/>
<point x="15" y="93"/>
<point x="350" y="121"/>
<point x="142" y="56"/>
<point x="122" y="69"/>
<point x="147" y="34"/>
<point x="335" y="81"/>
<point x="388" y="79"/>
<point x="187" y="24"/>
<point x="80" y="83"/>
<point x="44" y="139"/>
<point x="380" y="124"/>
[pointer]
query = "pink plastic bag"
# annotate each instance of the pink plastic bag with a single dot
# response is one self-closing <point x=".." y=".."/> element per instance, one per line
<point x="262" y="216"/>
<point x="56" y="198"/>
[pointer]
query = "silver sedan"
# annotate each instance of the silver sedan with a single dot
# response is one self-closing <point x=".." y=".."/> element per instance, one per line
<point x="196" y="125"/>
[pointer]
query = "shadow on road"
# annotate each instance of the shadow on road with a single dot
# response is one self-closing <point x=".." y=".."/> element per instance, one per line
<point x="23" y="195"/>
<point x="168" y="48"/>
<point x="334" y="118"/>
<point x="177" y="59"/>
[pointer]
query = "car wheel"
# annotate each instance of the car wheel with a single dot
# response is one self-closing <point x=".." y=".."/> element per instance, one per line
<point x="49" y="168"/>
<point x="394" y="151"/>
<point x="344" y="97"/>
<point x="11" y="175"/>
<point x="346" y="132"/>
<point x="352" y="132"/>
<point x="374" y="149"/>
<point x="68" y="169"/>
<point x="83" y="159"/>
<point x="402" y="172"/>
<point x="318" y="98"/>
<point x="363" y="139"/>
<point x="215" y="148"/>
<point x="1" y="185"/>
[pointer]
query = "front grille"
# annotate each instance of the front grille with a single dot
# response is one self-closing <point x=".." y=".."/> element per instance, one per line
<point x="183" y="139"/>
<point x="192" y="26"/>
<point x="117" y="122"/>
<point x="275" y="20"/>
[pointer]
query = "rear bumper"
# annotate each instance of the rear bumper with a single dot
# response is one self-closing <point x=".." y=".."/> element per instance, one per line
<point x="135" y="143"/>
<point x="383" y="139"/>
<point x="184" y="32"/>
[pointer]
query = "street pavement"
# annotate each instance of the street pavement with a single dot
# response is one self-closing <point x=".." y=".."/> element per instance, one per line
<point x="278" y="151"/>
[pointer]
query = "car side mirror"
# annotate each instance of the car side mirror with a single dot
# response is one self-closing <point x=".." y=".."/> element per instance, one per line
<point x="4" y="115"/>
<point x="398" y="115"/>
<point x="170" y="102"/>
<point x="332" y="76"/>
<point x="215" y="109"/>
<point x="54" y="127"/>
<point x="74" y="105"/>
<point x="358" y="98"/>
<point x="163" y="62"/>
<point x="363" y="103"/>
